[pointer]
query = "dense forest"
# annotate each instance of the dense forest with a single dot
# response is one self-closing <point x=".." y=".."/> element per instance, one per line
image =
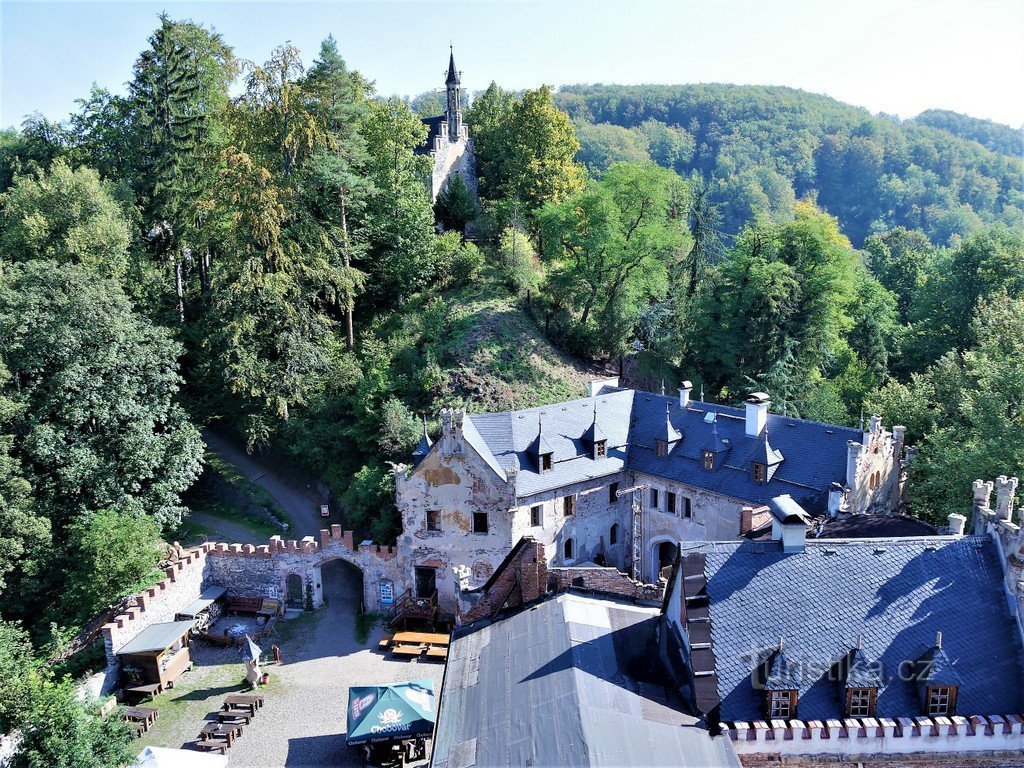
<point x="176" y="256"/>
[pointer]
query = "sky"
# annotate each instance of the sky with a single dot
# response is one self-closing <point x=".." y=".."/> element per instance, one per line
<point x="894" y="56"/>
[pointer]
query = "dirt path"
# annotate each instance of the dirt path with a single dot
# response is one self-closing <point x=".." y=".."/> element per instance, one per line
<point x="226" y="530"/>
<point x="302" y="505"/>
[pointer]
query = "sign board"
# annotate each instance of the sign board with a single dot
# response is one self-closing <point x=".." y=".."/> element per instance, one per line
<point x="387" y="593"/>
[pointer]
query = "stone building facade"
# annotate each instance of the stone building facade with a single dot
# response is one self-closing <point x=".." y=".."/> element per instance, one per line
<point x="572" y="475"/>
<point x="448" y="142"/>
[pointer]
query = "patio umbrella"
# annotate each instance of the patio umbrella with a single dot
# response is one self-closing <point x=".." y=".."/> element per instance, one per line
<point x="390" y="712"/>
<point x="249" y="651"/>
<point x="159" y="757"/>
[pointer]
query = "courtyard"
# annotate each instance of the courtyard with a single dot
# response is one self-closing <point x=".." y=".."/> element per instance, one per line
<point x="302" y="724"/>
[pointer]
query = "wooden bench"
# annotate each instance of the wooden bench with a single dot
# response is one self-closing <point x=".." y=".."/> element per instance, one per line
<point x="224" y="731"/>
<point x="411" y="651"/>
<point x="245" y="605"/>
<point x="234" y="717"/>
<point x="210" y="745"/>
<point x="437" y="652"/>
<point x="385" y="642"/>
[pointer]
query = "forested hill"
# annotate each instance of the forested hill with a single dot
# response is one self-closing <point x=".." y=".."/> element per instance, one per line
<point x="996" y="136"/>
<point x="761" y="147"/>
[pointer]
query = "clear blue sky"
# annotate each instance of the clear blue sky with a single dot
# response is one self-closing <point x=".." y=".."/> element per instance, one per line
<point x="895" y="56"/>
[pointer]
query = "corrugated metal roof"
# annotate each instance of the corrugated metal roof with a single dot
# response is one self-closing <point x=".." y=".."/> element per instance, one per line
<point x="156" y="637"/>
<point x="208" y="597"/>
<point x="572" y="681"/>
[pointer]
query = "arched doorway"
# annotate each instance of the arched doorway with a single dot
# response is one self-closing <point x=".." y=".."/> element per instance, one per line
<point x="662" y="553"/>
<point x="294" y="591"/>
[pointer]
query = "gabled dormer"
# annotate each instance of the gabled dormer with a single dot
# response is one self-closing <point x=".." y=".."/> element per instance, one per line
<point x="779" y="680"/>
<point x="860" y="682"/>
<point x="595" y="440"/>
<point x="938" y="682"/>
<point x="764" y="459"/>
<point x="715" y="449"/>
<point x="667" y="436"/>
<point x="541" y="451"/>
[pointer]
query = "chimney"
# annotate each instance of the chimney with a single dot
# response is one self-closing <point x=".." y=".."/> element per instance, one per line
<point x="684" y="394"/>
<point x="593" y="387"/>
<point x="1005" y="490"/>
<point x="789" y="523"/>
<point x="982" y="513"/>
<point x="757" y="413"/>
<point x="957" y="524"/>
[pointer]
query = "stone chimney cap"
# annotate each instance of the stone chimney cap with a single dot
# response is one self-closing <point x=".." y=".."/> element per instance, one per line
<point x="686" y="385"/>
<point x="758" y="398"/>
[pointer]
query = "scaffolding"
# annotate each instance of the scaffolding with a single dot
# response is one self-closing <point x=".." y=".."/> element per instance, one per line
<point x="636" y="494"/>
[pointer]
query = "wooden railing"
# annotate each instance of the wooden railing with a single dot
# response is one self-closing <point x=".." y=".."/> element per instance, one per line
<point x="408" y="606"/>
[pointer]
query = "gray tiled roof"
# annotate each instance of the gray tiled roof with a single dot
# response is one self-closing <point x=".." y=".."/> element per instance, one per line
<point x="814" y="454"/>
<point x="572" y="681"/>
<point x="894" y="593"/>
<point x="157" y="637"/>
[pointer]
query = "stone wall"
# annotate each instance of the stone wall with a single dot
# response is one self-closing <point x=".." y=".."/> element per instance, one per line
<point x="607" y="581"/>
<point x="451" y="158"/>
<point x="875" y="470"/>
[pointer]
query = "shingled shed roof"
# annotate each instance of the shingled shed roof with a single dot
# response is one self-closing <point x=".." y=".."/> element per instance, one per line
<point x="157" y="637"/>
<point x="895" y="593"/>
<point x="813" y="455"/>
<point x="570" y="682"/>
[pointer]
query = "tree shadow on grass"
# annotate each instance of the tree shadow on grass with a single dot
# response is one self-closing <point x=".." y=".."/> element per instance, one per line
<point x="201" y="694"/>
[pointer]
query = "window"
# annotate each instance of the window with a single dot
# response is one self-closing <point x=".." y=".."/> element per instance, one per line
<point x="545" y="462"/>
<point x="860" y="702"/>
<point x="686" y="507"/>
<point x="569" y="505"/>
<point x="599" y="449"/>
<point x="760" y="473"/>
<point x="654" y="498"/>
<point x="613" y="493"/>
<point x="432" y="522"/>
<point x="780" y="705"/>
<point x="537" y="516"/>
<point x="709" y="460"/>
<point x="567" y="550"/>
<point x="940" y="698"/>
<point x="479" y="522"/>
<point x="670" y="502"/>
<point x="613" y="534"/>
<point x="662" y="447"/>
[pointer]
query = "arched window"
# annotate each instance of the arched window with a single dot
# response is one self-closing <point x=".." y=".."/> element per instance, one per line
<point x="613" y="534"/>
<point x="567" y="549"/>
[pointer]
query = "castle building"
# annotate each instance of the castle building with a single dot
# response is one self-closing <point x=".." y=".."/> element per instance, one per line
<point x="448" y="142"/>
<point x="620" y="477"/>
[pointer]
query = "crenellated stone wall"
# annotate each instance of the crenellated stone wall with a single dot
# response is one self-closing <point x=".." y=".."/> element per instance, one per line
<point x="876" y="470"/>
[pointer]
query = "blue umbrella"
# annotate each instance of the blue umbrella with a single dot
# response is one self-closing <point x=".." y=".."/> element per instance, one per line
<point x="392" y="712"/>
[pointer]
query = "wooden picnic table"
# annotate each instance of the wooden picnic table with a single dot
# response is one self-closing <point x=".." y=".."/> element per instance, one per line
<point x="247" y="702"/>
<point x="234" y="717"/>
<point x="420" y="638"/>
<point x="227" y="731"/>
<point x="142" y="691"/>
<point x="145" y="715"/>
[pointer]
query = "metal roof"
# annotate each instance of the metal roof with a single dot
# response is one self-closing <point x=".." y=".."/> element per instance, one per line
<point x="894" y="593"/>
<point x="156" y="637"/>
<point x="209" y="596"/>
<point x="572" y="681"/>
<point x="807" y="456"/>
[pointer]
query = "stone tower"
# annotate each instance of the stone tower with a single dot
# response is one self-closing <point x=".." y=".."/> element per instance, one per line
<point x="453" y="113"/>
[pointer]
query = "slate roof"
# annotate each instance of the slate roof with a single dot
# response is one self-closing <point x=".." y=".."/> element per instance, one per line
<point x="894" y="593"/>
<point x="572" y="681"/>
<point x="814" y="453"/>
<point x="157" y="637"/>
<point x="435" y="127"/>
<point x="209" y="596"/>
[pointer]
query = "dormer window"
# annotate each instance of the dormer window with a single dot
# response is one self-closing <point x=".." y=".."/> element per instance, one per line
<point x="545" y="462"/>
<point x="941" y="700"/>
<point x="781" y="705"/>
<point x="709" y="460"/>
<point x="661" y="447"/>
<point x="600" y="450"/>
<point x="860" y="702"/>
<point x="760" y="473"/>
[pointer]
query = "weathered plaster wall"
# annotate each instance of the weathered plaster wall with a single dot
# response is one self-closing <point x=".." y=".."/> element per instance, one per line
<point x="874" y="470"/>
<point x="452" y="158"/>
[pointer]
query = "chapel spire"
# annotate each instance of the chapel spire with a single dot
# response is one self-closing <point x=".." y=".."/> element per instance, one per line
<point x="453" y="74"/>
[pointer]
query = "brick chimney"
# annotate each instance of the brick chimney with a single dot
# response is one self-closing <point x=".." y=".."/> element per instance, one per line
<point x="684" y="394"/>
<point x="757" y="413"/>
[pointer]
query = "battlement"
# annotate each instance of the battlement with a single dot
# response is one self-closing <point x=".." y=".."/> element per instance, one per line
<point x="333" y="541"/>
<point x="865" y="736"/>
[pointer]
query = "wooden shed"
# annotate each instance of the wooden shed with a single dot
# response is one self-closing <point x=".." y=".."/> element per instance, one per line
<point x="158" y="655"/>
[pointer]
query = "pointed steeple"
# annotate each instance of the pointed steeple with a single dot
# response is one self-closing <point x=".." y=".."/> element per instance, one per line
<point x="453" y="74"/>
<point x="424" y="445"/>
<point x="540" y="447"/>
<point x="669" y="434"/>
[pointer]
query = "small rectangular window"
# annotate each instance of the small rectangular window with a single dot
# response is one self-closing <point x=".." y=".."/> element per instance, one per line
<point x="569" y="505"/>
<point x="432" y="520"/>
<point x="479" y="522"/>
<point x="938" y="700"/>
<point x="599" y="449"/>
<point x="654" y="498"/>
<point x="670" y="503"/>
<point x="781" y="705"/>
<point x="709" y="460"/>
<point x="537" y="516"/>
<point x="662" y="448"/>
<point x="613" y="493"/>
<point x="760" y="473"/>
<point x="687" y="512"/>
<point x="860" y="703"/>
<point x="545" y="462"/>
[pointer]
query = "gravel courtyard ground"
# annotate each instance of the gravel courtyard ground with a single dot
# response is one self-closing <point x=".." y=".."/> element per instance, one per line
<point x="302" y="723"/>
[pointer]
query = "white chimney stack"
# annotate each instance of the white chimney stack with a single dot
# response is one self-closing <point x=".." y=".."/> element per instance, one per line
<point x="957" y="524"/>
<point x="684" y="394"/>
<point x="757" y="413"/>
